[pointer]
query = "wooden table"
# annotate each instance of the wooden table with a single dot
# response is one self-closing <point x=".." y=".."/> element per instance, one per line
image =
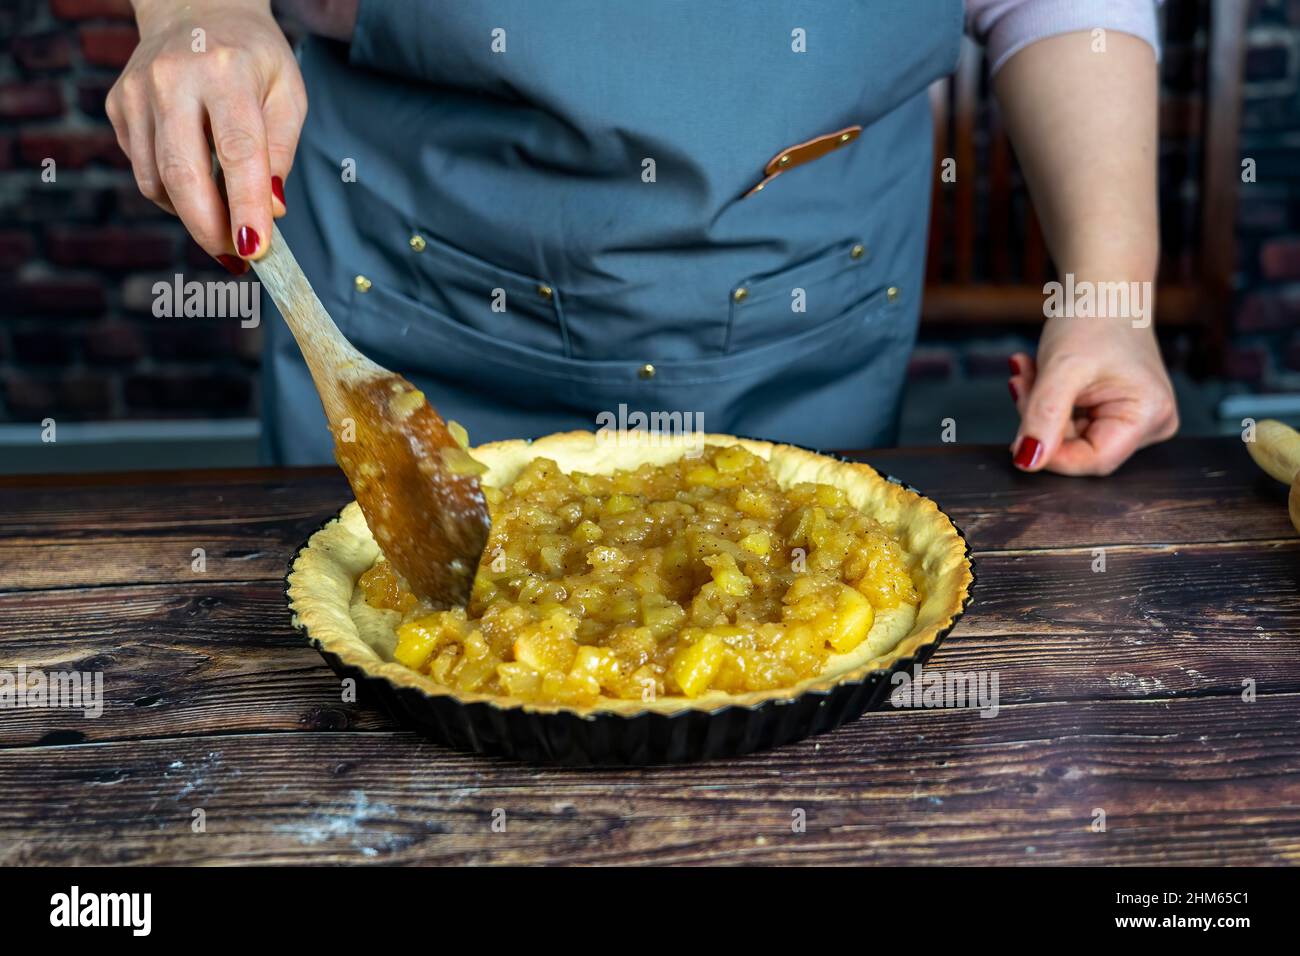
<point x="1121" y="691"/>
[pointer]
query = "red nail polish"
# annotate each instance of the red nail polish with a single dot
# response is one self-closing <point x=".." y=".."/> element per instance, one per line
<point x="247" y="241"/>
<point x="277" y="190"/>
<point x="1015" y="396"/>
<point x="1031" y="449"/>
<point x="234" y="265"/>
<point x="1014" y="366"/>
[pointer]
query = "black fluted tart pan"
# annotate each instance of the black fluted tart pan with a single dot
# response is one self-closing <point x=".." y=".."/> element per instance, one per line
<point x="321" y="585"/>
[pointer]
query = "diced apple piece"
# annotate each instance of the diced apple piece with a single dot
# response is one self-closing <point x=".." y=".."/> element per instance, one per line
<point x="473" y="673"/>
<point x="887" y="583"/>
<point x="458" y="432"/>
<point x="519" y="680"/>
<point x="548" y="645"/>
<point x="702" y="475"/>
<point x="635" y="645"/>
<point x="596" y="663"/>
<point x="484" y="590"/>
<point x="443" y="662"/>
<point x="694" y="666"/>
<point x="619" y="504"/>
<point x="732" y="459"/>
<point x="553" y="685"/>
<point x="828" y="496"/>
<point x="647" y="582"/>
<point x="595" y="485"/>
<point x="801" y="522"/>
<point x="804" y="640"/>
<point x="552" y="558"/>
<point x="580" y="688"/>
<point x="853" y="619"/>
<point x="756" y="504"/>
<point x="603" y="557"/>
<point x="416" y="642"/>
<point x="476" y="646"/>
<point x="460" y="462"/>
<point x="661" y="615"/>
<point x="623" y="607"/>
<point x="728" y="577"/>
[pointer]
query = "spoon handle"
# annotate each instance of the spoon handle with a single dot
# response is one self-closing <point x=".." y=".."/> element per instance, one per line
<point x="330" y="357"/>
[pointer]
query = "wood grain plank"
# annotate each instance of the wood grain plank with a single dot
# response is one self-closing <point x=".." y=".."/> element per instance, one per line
<point x="1186" y="491"/>
<point x="1199" y="781"/>
<point x="125" y="534"/>
<point x="1193" y="490"/>
<point x="217" y="657"/>
<point x="156" y="501"/>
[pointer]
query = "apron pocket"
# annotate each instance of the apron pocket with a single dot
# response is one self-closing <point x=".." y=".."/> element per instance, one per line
<point x="488" y="298"/>
<point x="779" y="305"/>
<point x="414" y="336"/>
<point x="835" y="385"/>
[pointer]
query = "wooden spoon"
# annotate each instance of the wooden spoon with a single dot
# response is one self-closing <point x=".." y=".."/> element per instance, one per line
<point x="416" y="485"/>
<point x="1276" y="449"/>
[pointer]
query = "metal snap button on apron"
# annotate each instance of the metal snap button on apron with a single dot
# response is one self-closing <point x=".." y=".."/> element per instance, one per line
<point x="417" y="243"/>
<point x="546" y="292"/>
<point x="646" y="371"/>
<point x="362" y="283"/>
<point x="891" y="293"/>
<point x="857" y="252"/>
<point x="740" y="295"/>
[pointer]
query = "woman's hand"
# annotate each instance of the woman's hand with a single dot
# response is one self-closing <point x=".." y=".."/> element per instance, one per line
<point x="1081" y="111"/>
<point x="211" y="74"/>
<point x="1097" y="393"/>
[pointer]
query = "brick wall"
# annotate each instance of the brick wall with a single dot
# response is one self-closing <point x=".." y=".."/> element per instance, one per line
<point x="79" y="256"/>
<point x="1266" y="322"/>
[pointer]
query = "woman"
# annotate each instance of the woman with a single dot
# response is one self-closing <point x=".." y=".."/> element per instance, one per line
<point x="541" y="212"/>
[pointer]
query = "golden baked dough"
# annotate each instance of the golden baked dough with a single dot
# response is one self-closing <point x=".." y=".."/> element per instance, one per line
<point x="328" y="602"/>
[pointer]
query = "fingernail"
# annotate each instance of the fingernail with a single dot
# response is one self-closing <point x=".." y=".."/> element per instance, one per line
<point x="1031" y="449"/>
<point x="247" y="241"/>
<point x="1015" y="396"/>
<point x="277" y="190"/>
<point x="234" y="265"/>
<point x="1014" y="365"/>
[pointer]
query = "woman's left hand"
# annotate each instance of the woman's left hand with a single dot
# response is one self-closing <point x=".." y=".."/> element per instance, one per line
<point x="1097" y="393"/>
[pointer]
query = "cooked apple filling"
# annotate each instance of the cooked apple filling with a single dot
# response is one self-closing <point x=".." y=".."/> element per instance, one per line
<point x="702" y="574"/>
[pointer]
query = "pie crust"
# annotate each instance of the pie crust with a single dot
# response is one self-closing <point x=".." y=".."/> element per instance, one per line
<point x="326" y="603"/>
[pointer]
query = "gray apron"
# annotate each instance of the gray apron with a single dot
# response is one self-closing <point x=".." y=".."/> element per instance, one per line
<point x="541" y="212"/>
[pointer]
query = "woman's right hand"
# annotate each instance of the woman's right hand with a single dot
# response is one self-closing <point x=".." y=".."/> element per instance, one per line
<point x="212" y="74"/>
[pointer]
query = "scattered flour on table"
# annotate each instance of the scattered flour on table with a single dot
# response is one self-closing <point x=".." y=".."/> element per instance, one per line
<point x="1134" y="683"/>
<point x="196" y="776"/>
<point x="351" y="823"/>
